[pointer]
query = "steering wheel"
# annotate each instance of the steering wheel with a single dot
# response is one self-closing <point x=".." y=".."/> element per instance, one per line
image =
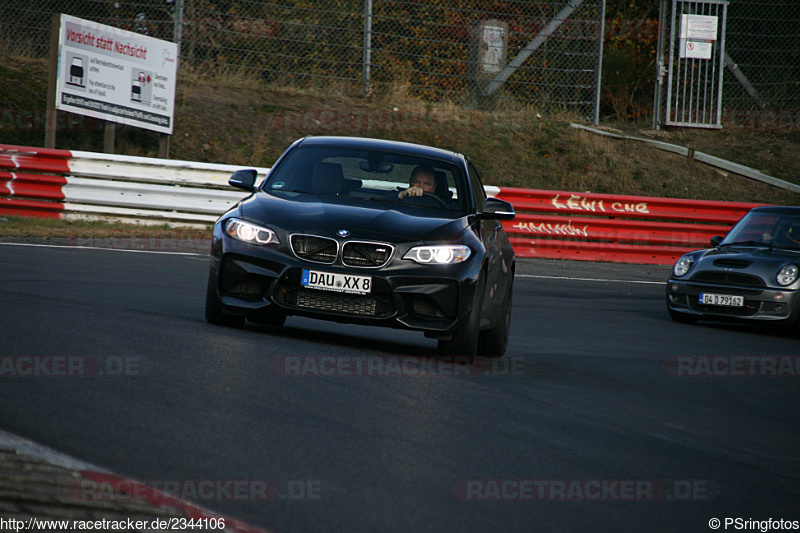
<point x="435" y="197"/>
<point x="431" y="195"/>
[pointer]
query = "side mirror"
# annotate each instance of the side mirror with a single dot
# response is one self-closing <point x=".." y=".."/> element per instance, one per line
<point x="497" y="209"/>
<point x="244" y="179"/>
<point x="715" y="240"/>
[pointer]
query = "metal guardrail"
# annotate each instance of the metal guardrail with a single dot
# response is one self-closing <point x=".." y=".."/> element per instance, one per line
<point x="552" y="224"/>
<point x="94" y="184"/>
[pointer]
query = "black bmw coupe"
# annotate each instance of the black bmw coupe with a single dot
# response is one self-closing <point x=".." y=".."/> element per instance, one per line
<point x="751" y="275"/>
<point x="367" y="231"/>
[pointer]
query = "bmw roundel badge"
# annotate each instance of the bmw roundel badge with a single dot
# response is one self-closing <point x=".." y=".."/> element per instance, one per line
<point x="343" y="233"/>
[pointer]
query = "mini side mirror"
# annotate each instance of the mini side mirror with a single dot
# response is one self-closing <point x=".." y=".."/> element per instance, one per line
<point x="497" y="209"/>
<point x="715" y="240"/>
<point x="244" y="179"/>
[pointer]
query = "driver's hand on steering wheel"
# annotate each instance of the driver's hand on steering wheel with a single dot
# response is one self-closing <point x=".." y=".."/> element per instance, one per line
<point x="411" y="191"/>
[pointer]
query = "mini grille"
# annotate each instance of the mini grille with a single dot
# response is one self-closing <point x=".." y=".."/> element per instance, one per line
<point x="729" y="278"/>
<point x="366" y="254"/>
<point x="313" y="248"/>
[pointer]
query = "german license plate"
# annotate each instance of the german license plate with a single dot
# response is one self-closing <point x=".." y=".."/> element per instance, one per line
<point x="723" y="300"/>
<point x="328" y="281"/>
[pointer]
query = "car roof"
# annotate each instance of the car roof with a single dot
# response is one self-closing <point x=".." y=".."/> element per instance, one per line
<point x="778" y="209"/>
<point x="381" y="144"/>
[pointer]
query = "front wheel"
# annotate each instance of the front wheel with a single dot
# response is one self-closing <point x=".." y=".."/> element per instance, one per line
<point x="465" y="339"/>
<point x="493" y="342"/>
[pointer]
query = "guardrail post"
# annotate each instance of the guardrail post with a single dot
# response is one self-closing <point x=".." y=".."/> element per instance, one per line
<point x="108" y="137"/>
<point x="163" y="146"/>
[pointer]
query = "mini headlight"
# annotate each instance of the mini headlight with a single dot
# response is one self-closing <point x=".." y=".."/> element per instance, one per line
<point x="682" y="266"/>
<point x="247" y="232"/>
<point x="787" y="275"/>
<point x="443" y="254"/>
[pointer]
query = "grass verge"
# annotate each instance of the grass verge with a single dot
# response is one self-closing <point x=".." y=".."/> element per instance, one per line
<point x="231" y="118"/>
<point x="45" y="229"/>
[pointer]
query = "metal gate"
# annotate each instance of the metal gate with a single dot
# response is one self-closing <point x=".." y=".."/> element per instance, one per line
<point x="696" y="63"/>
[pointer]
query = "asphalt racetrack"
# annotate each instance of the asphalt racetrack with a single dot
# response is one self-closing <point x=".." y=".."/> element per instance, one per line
<point x="603" y="416"/>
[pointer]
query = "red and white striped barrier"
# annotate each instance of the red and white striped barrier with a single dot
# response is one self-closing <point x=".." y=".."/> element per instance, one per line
<point x="24" y="192"/>
<point x="40" y="182"/>
<point x="606" y="227"/>
<point x="551" y="224"/>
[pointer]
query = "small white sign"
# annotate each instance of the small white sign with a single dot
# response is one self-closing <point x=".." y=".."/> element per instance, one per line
<point x="492" y="53"/>
<point x="116" y="75"/>
<point x="697" y="50"/>
<point x="699" y="27"/>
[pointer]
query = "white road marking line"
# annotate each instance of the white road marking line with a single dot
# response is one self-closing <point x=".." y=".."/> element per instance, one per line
<point x="98" y="248"/>
<point x="193" y="254"/>
<point x="567" y="278"/>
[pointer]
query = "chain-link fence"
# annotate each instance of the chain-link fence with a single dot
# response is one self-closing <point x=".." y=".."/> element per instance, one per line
<point x="541" y="52"/>
<point x="759" y="63"/>
<point x="763" y="80"/>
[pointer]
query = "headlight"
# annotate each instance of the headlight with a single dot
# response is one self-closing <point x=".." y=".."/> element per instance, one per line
<point x="682" y="266"/>
<point x="247" y="232"/>
<point x="788" y="275"/>
<point x="442" y="254"/>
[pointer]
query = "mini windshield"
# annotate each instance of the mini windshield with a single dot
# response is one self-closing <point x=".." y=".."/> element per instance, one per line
<point x="353" y="176"/>
<point x="763" y="228"/>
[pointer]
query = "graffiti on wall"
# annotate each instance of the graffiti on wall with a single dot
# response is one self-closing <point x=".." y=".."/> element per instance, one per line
<point x="576" y="202"/>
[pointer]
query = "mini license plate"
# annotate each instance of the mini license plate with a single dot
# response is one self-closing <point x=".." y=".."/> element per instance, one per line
<point x="723" y="300"/>
<point x="327" y="281"/>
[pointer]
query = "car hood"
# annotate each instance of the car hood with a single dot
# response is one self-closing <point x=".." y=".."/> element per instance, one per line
<point x="753" y="260"/>
<point x="732" y="256"/>
<point x="308" y="214"/>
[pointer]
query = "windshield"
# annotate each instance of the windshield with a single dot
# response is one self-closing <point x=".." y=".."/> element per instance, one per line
<point x="766" y="229"/>
<point x="353" y="176"/>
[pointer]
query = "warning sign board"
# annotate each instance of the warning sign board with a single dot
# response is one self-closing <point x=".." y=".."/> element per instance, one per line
<point x="116" y="75"/>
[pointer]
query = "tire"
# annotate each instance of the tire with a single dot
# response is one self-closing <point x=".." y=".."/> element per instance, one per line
<point x="214" y="310"/>
<point x="493" y="342"/>
<point x="681" y="318"/>
<point x="465" y="338"/>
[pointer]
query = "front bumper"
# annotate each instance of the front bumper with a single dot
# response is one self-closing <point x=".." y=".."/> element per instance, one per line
<point x="760" y="304"/>
<point x="254" y="279"/>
